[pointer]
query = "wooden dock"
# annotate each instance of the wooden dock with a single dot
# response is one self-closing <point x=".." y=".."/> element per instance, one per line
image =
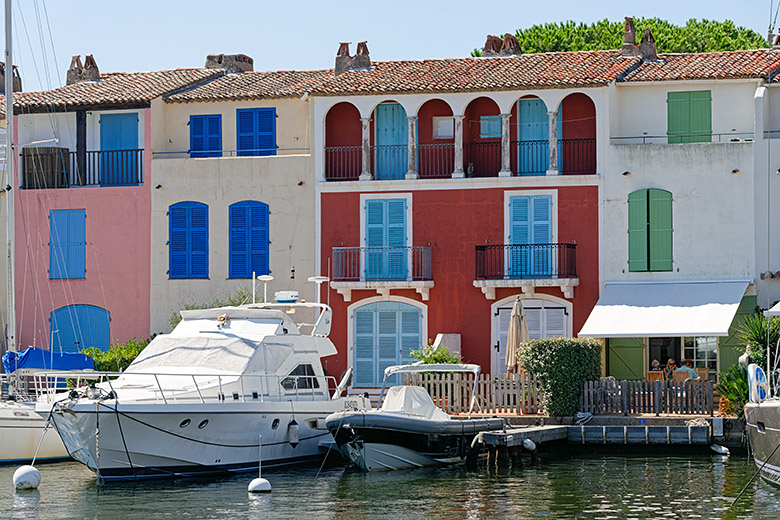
<point x="512" y="437"/>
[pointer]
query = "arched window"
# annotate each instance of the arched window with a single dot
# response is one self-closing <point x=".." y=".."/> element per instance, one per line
<point x="650" y="230"/>
<point x="248" y="241"/>
<point x="384" y="334"/>
<point x="188" y="240"/>
<point x="77" y="327"/>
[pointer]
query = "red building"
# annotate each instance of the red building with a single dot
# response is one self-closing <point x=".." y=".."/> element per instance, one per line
<point x="445" y="194"/>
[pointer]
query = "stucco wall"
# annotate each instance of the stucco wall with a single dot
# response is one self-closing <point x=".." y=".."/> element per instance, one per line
<point x="292" y="124"/>
<point x="712" y="208"/>
<point x="284" y="183"/>
<point x="642" y="107"/>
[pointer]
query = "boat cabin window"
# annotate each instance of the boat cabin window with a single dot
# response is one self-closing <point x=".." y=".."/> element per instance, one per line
<point x="302" y="376"/>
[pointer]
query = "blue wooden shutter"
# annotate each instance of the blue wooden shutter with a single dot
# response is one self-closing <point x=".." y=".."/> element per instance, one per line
<point x="266" y="131"/>
<point x="177" y="240"/>
<point x="248" y="221"/>
<point x="375" y="238"/>
<point x="67" y="243"/>
<point x="197" y="136"/>
<point x="199" y="240"/>
<point x="489" y="127"/>
<point x="364" y="360"/>
<point x="396" y="239"/>
<point x="77" y="327"/>
<point x="214" y="135"/>
<point x="533" y="136"/>
<point x="410" y="333"/>
<point x="519" y="234"/>
<point x="238" y="241"/>
<point x="387" y="339"/>
<point x="206" y="135"/>
<point x="542" y="260"/>
<point x="246" y="132"/>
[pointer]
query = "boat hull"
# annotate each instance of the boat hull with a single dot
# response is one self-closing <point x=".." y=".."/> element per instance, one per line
<point x="21" y="429"/>
<point x="145" y="441"/>
<point x="763" y="427"/>
<point x="381" y="441"/>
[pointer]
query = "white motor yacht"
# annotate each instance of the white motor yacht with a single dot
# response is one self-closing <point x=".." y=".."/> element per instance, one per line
<point x="197" y="400"/>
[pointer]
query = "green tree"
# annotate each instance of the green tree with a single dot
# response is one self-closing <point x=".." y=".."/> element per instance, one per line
<point x="694" y="36"/>
<point x="118" y="357"/>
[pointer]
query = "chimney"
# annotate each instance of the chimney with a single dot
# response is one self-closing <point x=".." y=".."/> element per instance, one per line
<point x="493" y="45"/>
<point x="647" y="47"/>
<point x="345" y="62"/>
<point x="510" y="45"/>
<point x="78" y="72"/>
<point x="231" y="63"/>
<point x="17" y="79"/>
<point x="629" y="47"/>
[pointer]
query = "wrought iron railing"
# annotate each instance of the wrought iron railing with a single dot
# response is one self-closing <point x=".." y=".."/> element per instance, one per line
<point x="531" y="157"/>
<point x="343" y="163"/>
<point x="390" y="161"/>
<point x="482" y="159"/>
<point x="577" y="156"/>
<point x="499" y="262"/>
<point x="436" y="161"/>
<point x="374" y="264"/>
<point x="43" y="168"/>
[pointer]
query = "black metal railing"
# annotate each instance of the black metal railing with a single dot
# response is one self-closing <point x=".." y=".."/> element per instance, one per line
<point x="706" y="137"/>
<point x="499" y="262"/>
<point x="531" y="157"/>
<point x="436" y="161"/>
<point x="482" y="159"/>
<point x="372" y="264"/>
<point x="43" y="168"/>
<point x="390" y="161"/>
<point x="577" y="156"/>
<point x="343" y="163"/>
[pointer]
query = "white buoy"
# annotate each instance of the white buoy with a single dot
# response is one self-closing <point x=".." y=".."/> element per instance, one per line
<point x="529" y="445"/>
<point x="722" y="450"/>
<point x="27" y="477"/>
<point x="259" y="485"/>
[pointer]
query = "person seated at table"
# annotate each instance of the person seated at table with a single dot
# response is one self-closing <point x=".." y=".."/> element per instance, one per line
<point x="655" y="366"/>
<point x="686" y="365"/>
<point x="671" y="364"/>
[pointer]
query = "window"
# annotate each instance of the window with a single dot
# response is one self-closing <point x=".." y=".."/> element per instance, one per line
<point x="703" y="351"/>
<point x="530" y="222"/>
<point x="385" y="239"/>
<point x="188" y="240"/>
<point x="650" y="230"/>
<point x="302" y="377"/>
<point x="67" y="243"/>
<point x="248" y="243"/>
<point x="256" y="131"/>
<point x="78" y="327"/>
<point x="489" y="127"/>
<point x="206" y="136"/>
<point x="443" y="127"/>
<point x="689" y="117"/>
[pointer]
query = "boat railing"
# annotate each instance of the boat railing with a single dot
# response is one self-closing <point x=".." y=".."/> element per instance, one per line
<point x="167" y="388"/>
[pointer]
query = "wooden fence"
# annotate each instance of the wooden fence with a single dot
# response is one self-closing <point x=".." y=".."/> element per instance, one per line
<point x="610" y="397"/>
<point x="516" y="394"/>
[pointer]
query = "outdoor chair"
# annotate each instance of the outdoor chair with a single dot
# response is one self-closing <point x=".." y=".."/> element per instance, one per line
<point x="655" y="375"/>
<point x="679" y="377"/>
<point x="704" y="373"/>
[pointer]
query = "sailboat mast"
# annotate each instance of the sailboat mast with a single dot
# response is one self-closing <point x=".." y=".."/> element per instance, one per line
<point x="10" y="169"/>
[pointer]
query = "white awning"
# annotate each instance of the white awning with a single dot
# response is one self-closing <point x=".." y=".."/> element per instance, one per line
<point x="656" y="309"/>
<point x="774" y="311"/>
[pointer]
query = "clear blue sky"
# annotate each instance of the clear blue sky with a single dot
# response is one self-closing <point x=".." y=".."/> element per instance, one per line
<point x="133" y="35"/>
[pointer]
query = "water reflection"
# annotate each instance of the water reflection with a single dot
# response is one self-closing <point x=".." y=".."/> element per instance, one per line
<point x="597" y="486"/>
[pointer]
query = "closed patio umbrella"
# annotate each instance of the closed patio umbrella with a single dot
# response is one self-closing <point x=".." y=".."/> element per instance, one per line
<point x="516" y="336"/>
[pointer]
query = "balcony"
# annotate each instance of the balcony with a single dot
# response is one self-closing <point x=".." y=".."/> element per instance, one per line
<point x="727" y="137"/>
<point x="526" y="266"/>
<point x="436" y="161"/>
<point x="482" y="159"/>
<point x="381" y="269"/>
<point x="342" y="163"/>
<point x="44" y="168"/>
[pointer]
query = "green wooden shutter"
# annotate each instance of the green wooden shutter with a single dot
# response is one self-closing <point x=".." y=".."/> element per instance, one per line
<point x="700" y="117"/>
<point x="678" y="120"/>
<point x="637" y="231"/>
<point x="660" y="226"/>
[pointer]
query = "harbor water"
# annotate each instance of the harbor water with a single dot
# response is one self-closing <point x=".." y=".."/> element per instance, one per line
<point x="595" y="486"/>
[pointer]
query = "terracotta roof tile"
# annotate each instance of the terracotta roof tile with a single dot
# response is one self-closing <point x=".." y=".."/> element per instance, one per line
<point x="707" y="66"/>
<point x="118" y="88"/>
<point x="253" y="85"/>
<point x="544" y="70"/>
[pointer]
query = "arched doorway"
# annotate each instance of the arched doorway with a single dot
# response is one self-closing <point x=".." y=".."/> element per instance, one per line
<point x="77" y="327"/>
<point x="577" y="138"/>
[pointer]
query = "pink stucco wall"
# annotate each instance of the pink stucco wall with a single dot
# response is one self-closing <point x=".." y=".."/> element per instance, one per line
<point x="117" y="257"/>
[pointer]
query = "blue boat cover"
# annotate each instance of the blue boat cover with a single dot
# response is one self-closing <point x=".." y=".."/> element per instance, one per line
<point x="38" y="358"/>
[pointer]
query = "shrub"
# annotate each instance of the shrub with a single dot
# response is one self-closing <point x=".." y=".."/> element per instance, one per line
<point x="118" y="357"/>
<point x="752" y="334"/>
<point x="429" y="354"/>
<point x="734" y="389"/>
<point x="232" y="299"/>
<point x="562" y="366"/>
